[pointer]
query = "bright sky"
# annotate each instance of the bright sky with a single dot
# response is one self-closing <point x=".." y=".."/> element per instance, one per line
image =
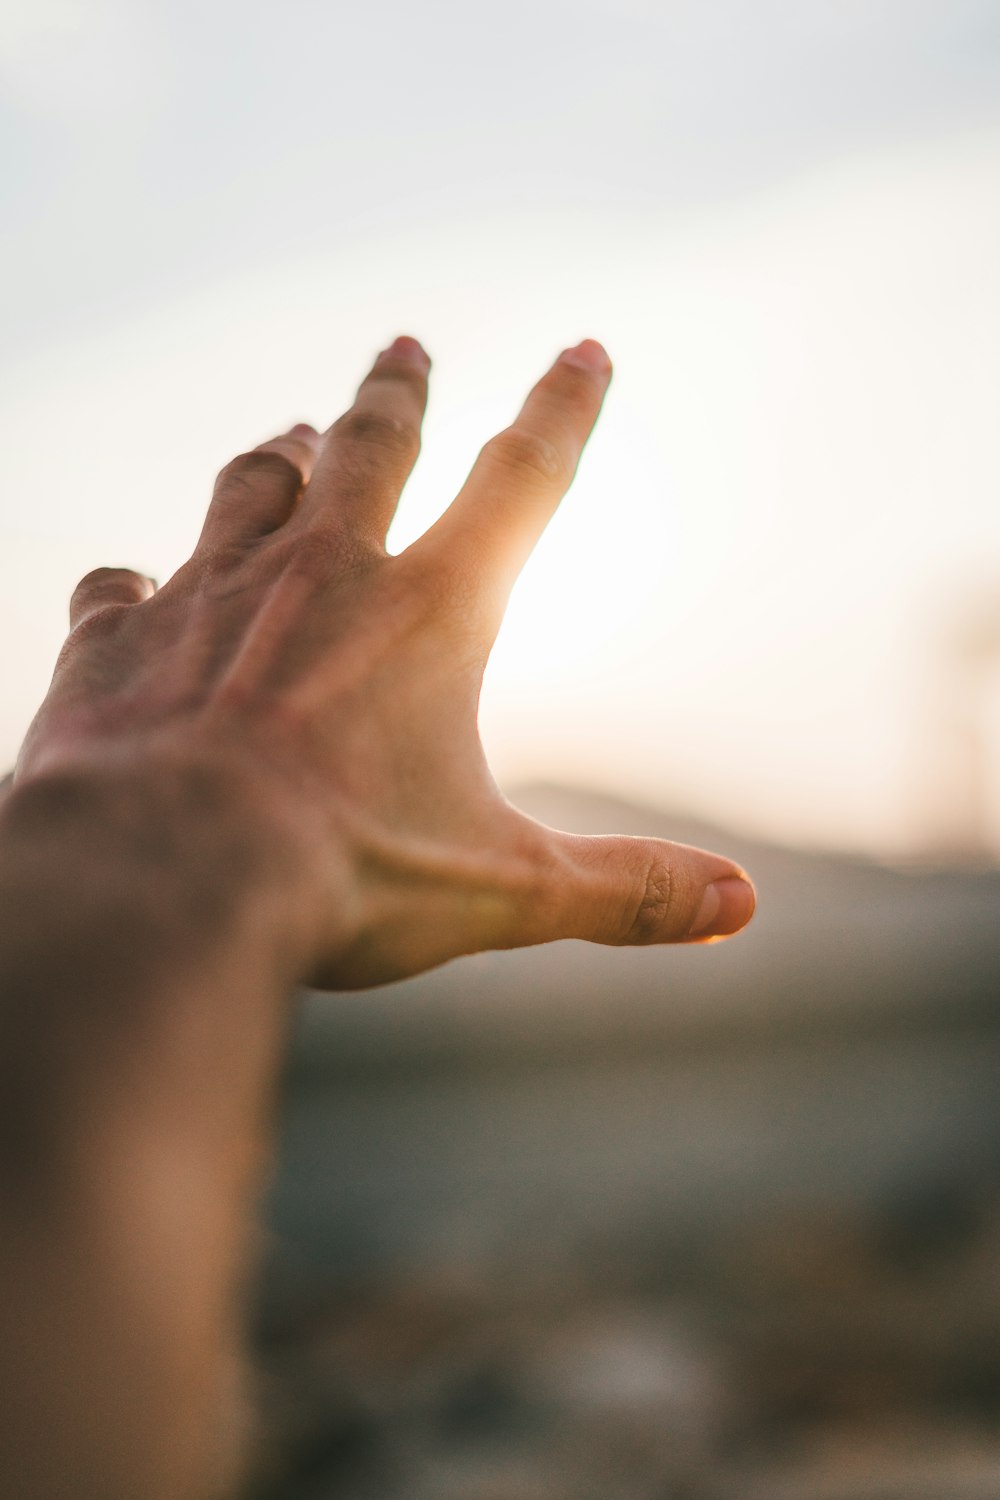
<point x="783" y="220"/>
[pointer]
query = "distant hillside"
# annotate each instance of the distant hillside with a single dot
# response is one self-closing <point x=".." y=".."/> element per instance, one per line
<point x="836" y="941"/>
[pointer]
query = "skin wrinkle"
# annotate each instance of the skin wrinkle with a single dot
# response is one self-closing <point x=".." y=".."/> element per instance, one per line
<point x="266" y="775"/>
<point x="654" y="907"/>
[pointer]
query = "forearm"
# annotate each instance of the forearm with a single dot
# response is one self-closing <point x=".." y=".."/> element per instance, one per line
<point x="149" y="941"/>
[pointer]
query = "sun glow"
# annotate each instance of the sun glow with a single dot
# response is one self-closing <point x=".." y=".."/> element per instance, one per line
<point x="596" y="570"/>
<point x="730" y="608"/>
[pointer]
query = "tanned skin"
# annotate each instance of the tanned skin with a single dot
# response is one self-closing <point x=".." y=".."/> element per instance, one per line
<point x="264" y="774"/>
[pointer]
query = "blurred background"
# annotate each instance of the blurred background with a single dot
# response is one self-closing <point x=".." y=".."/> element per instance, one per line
<point x="568" y="1223"/>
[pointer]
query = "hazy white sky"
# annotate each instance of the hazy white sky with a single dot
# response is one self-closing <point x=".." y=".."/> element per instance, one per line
<point x="782" y="218"/>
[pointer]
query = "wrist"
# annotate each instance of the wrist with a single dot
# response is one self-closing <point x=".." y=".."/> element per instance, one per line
<point x="171" y="852"/>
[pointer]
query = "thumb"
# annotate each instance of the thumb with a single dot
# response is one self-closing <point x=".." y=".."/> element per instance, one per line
<point x="626" y="891"/>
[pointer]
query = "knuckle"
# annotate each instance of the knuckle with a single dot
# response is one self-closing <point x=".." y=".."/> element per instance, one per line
<point x="100" y="580"/>
<point x="379" y="430"/>
<point x="527" y="455"/>
<point x="242" y="471"/>
<point x="99" y="623"/>
<point x="653" y="902"/>
<point x="216" y="561"/>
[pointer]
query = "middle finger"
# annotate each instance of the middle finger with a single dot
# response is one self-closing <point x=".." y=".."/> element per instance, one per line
<point x="368" y="453"/>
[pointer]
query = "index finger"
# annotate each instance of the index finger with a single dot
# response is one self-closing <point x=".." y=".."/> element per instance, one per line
<point x="521" y="474"/>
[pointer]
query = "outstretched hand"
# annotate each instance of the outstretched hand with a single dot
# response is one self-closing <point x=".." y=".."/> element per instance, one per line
<point x="337" y="688"/>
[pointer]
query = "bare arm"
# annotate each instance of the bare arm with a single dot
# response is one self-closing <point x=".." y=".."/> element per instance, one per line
<point x="147" y="948"/>
<point x="265" y="773"/>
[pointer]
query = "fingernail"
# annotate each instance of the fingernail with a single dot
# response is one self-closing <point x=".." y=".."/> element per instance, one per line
<point x="726" y="906"/>
<point x="406" y="348"/>
<point x="590" y="355"/>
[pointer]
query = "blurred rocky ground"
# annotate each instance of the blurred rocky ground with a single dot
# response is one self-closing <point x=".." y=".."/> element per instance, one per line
<point x="723" y="1224"/>
<point x="813" y="1358"/>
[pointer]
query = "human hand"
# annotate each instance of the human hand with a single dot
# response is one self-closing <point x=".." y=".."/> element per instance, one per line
<point x="336" y="688"/>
